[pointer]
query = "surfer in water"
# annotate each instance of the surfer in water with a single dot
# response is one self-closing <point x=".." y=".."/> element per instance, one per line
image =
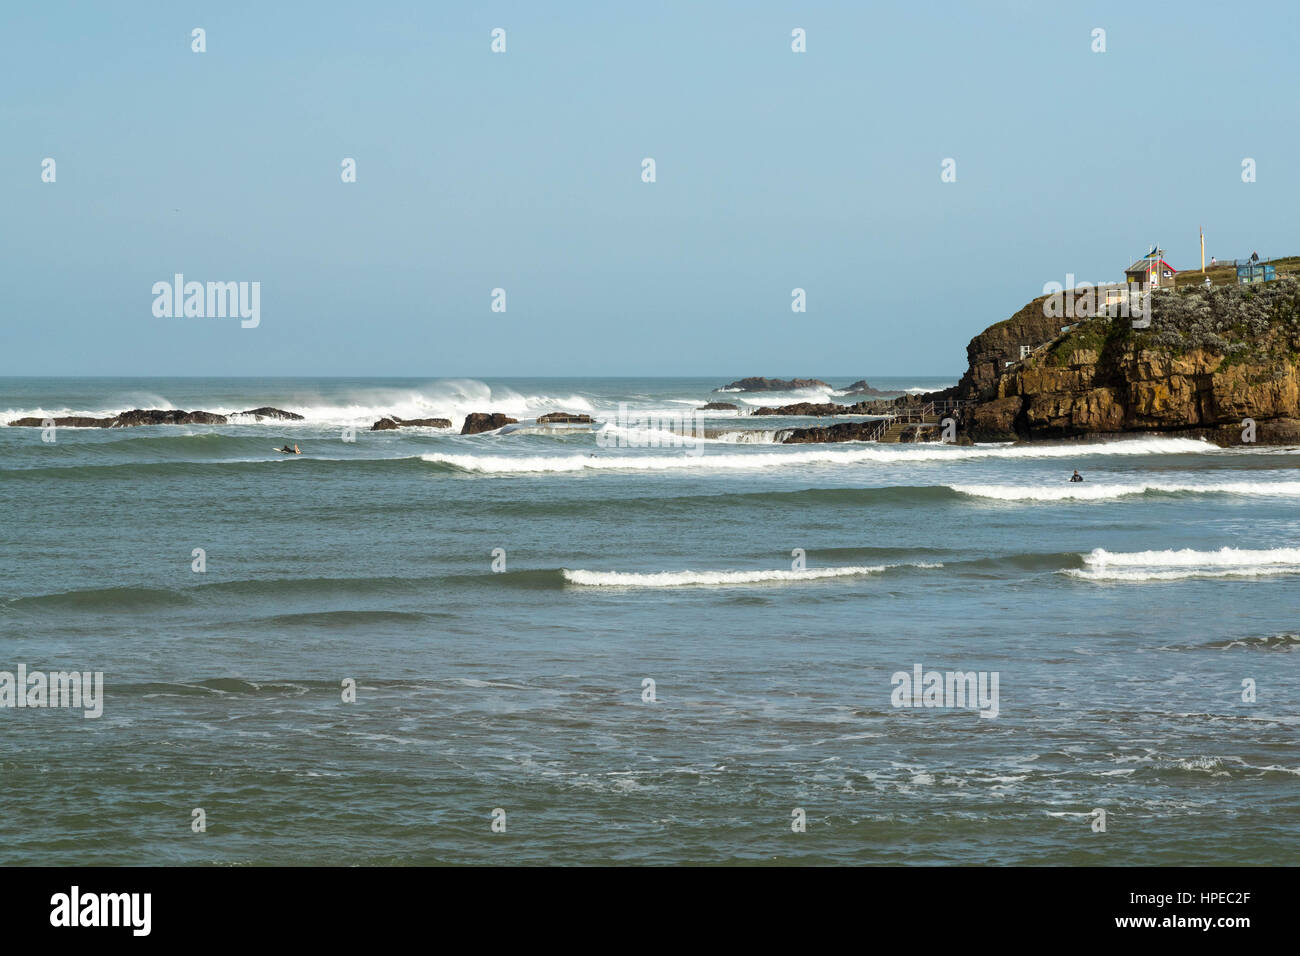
<point x="295" y="450"/>
<point x="1076" y="476"/>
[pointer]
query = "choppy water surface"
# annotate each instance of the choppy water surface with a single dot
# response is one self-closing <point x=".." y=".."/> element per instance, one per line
<point x="1122" y="617"/>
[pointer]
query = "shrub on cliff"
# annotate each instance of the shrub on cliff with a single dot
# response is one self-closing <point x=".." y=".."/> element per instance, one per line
<point x="1235" y="321"/>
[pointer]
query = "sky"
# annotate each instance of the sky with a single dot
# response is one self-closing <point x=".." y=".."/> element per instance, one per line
<point x="522" y="171"/>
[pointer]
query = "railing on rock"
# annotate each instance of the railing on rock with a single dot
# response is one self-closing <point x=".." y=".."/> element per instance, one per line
<point x="927" y="413"/>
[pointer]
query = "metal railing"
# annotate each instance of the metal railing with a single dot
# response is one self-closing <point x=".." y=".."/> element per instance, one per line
<point x="928" y="413"/>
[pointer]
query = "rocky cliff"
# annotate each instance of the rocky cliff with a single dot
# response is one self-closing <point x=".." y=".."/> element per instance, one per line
<point x="1210" y="360"/>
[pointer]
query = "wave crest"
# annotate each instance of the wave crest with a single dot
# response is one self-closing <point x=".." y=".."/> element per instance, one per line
<point x="1171" y="565"/>
<point x="677" y="579"/>
<point x="1100" y="492"/>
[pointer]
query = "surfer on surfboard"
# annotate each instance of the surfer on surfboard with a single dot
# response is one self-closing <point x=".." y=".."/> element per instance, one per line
<point x="295" y="450"/>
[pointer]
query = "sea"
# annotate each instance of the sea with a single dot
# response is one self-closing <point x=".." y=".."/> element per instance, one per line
<point x="661" y="638"/>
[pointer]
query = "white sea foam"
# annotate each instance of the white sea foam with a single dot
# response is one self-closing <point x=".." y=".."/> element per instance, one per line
<point x="1087" y="491"/>
<point x="749" y="436"/>
<point x="1170" y="565"/>
<point x="450" y="398"/>
<point x="788" y="456"/>
<point x="677" y="579"/>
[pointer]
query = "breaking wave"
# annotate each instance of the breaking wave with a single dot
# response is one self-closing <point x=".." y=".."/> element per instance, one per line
<point x="1101" y="492"/>
<point x="857" y="453"/>
<point x="1169" y="565"/>
<point x="677" y="579"/>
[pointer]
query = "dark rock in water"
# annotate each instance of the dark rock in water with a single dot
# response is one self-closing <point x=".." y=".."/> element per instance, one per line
<point x="154" y="416"/>
<point x="70" y="421"/>
<point x="564" y="418"/>
<point x="391" y="422"/>
<point x="844" y="431"/>
<point x="169" y="416"/>
<point x="267" y="412"/>
<point x="772" y="384"/>
<point x="860" y="387"/>
<point x="476" y="422"/>
<point x="806" y="408"/>
<point x="818" y="409"/>
<point x="718" y="407"/>
<point x="878" y="406"/>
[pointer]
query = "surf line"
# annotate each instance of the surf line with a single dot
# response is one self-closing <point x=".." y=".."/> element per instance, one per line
<point x="82" y="689"/>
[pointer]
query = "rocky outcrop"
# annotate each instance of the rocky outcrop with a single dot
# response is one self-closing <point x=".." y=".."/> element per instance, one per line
<point x="564" y="418"/>
<point x="772" y="385"/>
<point x="989" y="352"/>
<point x="131" y="419"/>
<point x="391" y="422"/>
<point x="279" y="414"/>
<point x="476" y="422"/>
<point x="68" y="421"/>
<point x="718" y="407"/>
<point x="822" y="409"/>
<point x="1210" y="360"/>
<point x="155" y="416"/>
<point x="860" y="387"/>
<point x="843" y="431"/>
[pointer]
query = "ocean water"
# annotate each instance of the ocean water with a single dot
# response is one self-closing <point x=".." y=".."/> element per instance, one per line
<point x="1127" y="619"/>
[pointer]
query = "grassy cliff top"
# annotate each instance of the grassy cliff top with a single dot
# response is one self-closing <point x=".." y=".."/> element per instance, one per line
<point x="1240" y="322"/>
<point x="1227" y="275"/>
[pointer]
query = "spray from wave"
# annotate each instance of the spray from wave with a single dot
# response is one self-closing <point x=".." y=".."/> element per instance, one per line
<point x="361" y="407"/>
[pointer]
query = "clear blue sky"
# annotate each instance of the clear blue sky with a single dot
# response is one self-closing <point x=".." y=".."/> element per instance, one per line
<point x="522" y="170"/>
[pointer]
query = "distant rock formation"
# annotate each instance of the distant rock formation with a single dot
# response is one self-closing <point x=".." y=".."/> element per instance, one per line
<point x="772" y="385"/>
<point x="154" y="416"/>
<point x="822" y="409"/>
<point x="564" y="418"/>
<point x="860" y="387"/>
<point x="391" y="422"/>
<point x="476" y="422"/>
<point x="718" y="407"/>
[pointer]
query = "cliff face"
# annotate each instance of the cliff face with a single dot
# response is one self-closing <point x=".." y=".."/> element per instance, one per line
<point x="988" y="353"/>
<point x="1209" y="360"/>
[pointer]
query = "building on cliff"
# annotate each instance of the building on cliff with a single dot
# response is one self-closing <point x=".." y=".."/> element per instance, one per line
<point x="1253" y="270"/>
<point x="1150" y="272"/>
